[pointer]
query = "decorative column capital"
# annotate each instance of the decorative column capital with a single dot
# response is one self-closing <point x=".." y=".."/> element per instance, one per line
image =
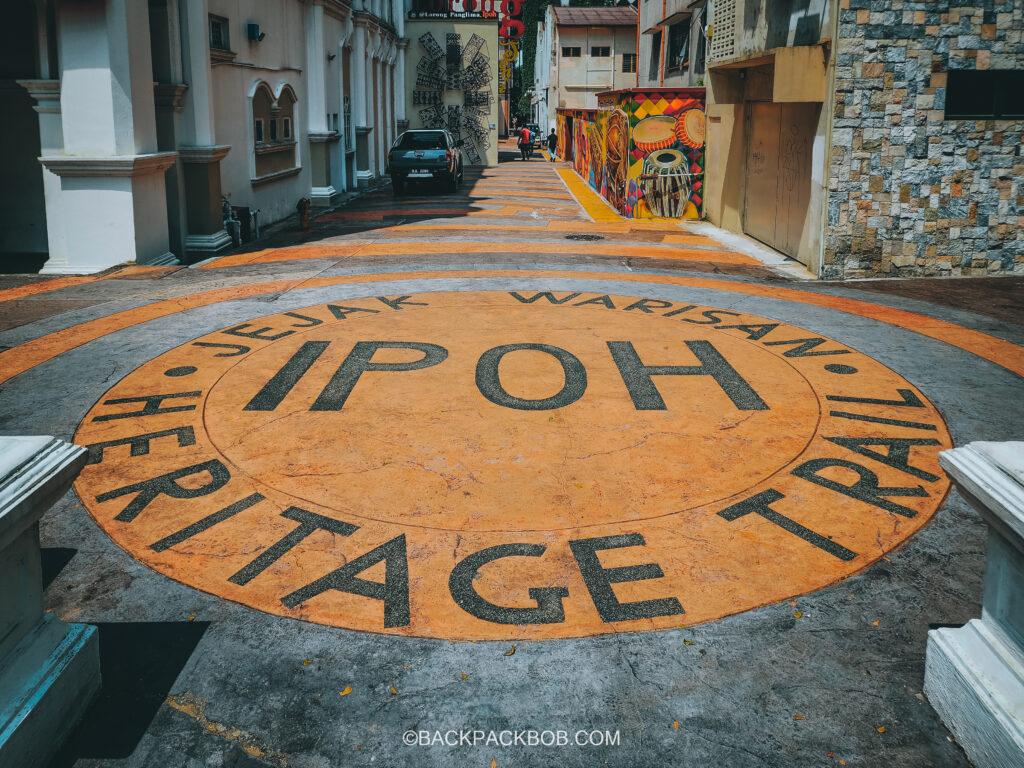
<point x="46" y="94"/>
<point x="211" y="154"/>
<point x="170" y="95"/>
<point x="115" y="165"/>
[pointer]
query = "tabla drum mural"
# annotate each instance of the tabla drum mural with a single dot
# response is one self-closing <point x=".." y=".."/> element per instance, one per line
<point x="665" y="183"/>
<point x="654" y="133"/>
<point x="643" y="151"/>
<point x="690" y="128"/>
<point x="666" y="156"/>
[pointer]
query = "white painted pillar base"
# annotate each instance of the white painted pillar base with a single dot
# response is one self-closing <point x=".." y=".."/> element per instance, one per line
<point x="49" y="670"/>
<point x="974" y="679"/>
<point x="109" y="205"/>
<point x="322" y="197"/>
<point x="208" y="245"/>
<point x="974" y="675"/>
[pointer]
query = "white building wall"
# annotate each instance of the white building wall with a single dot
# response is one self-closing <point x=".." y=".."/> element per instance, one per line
<point x="278" y="61"/>
<point x="104" y="172"/>
<point x="579" y="80"/>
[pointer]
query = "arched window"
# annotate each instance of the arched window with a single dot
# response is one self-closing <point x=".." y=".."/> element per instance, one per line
<point x="262" y="108"/>
<point x="273" y="132"/>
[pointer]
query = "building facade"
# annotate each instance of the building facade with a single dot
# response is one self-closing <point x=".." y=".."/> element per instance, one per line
<point x="452" y="61"/>
<point x="580" y="53"/>
<point x="672" y="44"/>
<point x="159" y="125"/>
<point x="870" y="138"/>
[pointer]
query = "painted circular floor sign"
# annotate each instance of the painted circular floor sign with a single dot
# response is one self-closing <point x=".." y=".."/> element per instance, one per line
<point x="486" y="465"/>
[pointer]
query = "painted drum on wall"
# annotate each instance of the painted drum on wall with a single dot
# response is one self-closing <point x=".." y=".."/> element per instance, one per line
<point x="665" y="182"/>
<point x="690" y="128"/>
<point x="654" y="133"/>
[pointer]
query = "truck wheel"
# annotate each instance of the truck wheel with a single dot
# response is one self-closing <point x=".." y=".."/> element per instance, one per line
<point x="451" y="182"/>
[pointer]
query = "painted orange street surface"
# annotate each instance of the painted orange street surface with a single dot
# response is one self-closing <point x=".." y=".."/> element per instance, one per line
<point x="485" y="465"/>
<point x="412" y="249"/>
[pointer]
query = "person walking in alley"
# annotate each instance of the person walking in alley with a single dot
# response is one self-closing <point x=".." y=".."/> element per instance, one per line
<point x="552" y="144"/>
<point x="524" y="142"/>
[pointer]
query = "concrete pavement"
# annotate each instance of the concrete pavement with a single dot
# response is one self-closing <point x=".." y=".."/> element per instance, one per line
<point x="489" y="462"/>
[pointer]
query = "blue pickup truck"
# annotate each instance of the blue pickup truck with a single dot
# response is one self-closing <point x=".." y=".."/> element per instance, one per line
<point x="424" y="155"/>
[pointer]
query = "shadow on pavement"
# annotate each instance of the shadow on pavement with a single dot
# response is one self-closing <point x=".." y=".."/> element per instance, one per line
<point x="139" y="663"/>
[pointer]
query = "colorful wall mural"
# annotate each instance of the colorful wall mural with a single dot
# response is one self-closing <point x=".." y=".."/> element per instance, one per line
<point x="642" y="150"/>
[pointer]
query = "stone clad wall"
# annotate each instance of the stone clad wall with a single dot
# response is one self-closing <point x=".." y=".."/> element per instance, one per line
<point x="911" y="193"/>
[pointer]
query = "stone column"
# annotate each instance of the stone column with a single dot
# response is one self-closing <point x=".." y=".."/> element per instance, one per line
<point x="322" y="192"/>
<point x="49" y="670"/>
<point x="360" y="93"/>
<point x="373" y="105"/>
<point x="391" y="98"/>
<point x="170" y="97"/>
<point x="974" y="675"/>
<point x="46" y="94"/>
<point x="401" y="121"/>
<point x="112" y="180"/>
<point x="200" y="153"/>
<point x="385" y="112"/>
<point x="346" y="37"/>
<point x="203" y="196"/>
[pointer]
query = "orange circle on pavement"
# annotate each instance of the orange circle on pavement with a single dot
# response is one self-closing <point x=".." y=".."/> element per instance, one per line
<point x="438" y="453"/>
<point x="485" y="465"/>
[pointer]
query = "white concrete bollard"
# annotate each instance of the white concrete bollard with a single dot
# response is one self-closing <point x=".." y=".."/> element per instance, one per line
<point x="974" y="675"/>
<point x="49" y="670"/>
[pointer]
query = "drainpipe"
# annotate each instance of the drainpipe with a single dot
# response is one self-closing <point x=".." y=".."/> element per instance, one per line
<point x="637" y="67"/>
<point x="829" y="104"/>
<point x="664" y="43"/>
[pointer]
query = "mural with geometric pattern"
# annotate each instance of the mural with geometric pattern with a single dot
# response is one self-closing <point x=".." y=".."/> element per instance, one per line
<point x="451" y="70"/>
<point x="643" y="151"/>
<point x="665" y="173"/>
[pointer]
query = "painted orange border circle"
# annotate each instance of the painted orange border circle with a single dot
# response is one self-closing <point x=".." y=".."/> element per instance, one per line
<point x="748" y="561"/>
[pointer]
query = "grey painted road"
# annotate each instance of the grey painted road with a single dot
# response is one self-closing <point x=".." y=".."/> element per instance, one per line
<point x="197" y="676"/>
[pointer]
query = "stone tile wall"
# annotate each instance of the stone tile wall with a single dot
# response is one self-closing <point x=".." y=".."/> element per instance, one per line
<point x="911" y="193"/>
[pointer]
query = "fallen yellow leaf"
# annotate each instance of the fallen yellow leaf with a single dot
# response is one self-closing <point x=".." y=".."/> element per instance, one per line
<point x="880" y="729"/>
<point x="875" y="622"/>
<point x="393" y="691"/>
<point x="346" y="692"/>
<point x="675" y="724"/>
<point x="464" y="675"/>
<point x="510" y="651"/>
<point x="688" y="642"/>
<point x="799" y="717"/>
<point x="831" y="754"/>
<point x="191" y="618"/>
<point x="494" y="763"/>
<point x="798" y="614"/>
<point x="842" y="762"/>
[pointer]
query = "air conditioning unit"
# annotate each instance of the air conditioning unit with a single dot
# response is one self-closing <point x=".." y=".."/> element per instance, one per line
<point x="253" y="32"/>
